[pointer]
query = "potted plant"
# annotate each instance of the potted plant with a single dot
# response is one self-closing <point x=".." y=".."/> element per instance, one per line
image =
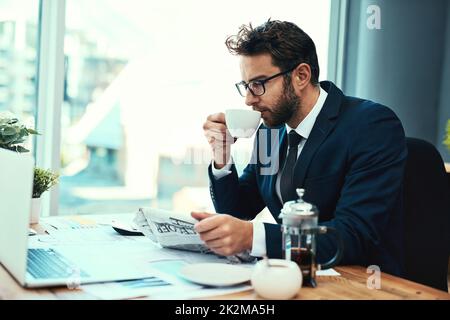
<point x="13" y="133"/>
<point x="447" y="136"/>
<point x="12" y="136"/>
<point x="43" y="181"/>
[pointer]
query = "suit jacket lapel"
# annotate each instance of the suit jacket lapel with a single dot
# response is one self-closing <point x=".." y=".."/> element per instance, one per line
<point x="321" y="129"/>
<point x="323" y="126"/>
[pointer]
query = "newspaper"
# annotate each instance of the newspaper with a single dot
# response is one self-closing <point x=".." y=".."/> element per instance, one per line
<point x="175" y="230"/>
<point x="170" y="229"/>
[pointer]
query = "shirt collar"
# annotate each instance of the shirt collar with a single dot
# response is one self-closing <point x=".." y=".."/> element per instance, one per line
<point x="305" y="127"/>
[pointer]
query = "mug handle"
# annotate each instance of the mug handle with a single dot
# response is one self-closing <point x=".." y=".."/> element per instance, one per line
<point x="337" y="257"/>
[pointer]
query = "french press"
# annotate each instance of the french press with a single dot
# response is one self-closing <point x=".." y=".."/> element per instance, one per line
<point x="299" y="228"/>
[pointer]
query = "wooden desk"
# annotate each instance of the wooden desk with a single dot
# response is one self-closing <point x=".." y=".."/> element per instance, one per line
<point x="352" y="284"/>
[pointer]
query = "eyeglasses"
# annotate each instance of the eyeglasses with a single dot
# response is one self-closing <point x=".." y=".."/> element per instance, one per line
<point x="257" y="87"/>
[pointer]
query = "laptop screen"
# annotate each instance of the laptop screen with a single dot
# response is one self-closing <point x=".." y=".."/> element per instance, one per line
<point x="16" y="184"/>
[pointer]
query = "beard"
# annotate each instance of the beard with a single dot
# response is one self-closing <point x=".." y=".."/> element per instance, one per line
<point x="284" y="108"/>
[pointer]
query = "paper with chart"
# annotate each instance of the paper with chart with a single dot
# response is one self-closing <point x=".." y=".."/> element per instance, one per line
<point x="165" y="284"/>
<point x="170" y="229"/>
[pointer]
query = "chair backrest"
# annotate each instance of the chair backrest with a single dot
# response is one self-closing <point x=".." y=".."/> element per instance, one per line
<point x="427" y="215"/>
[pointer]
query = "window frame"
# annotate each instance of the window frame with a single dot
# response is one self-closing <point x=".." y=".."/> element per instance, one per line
<point x="337" y="41"/>
<point x="50" y="86"/>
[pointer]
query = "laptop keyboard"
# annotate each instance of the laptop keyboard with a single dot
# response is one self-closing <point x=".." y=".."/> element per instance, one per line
<point x="49" y="264"/>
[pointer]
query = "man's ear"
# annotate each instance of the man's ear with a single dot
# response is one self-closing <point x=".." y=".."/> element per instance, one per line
<point x="301" y="76"/>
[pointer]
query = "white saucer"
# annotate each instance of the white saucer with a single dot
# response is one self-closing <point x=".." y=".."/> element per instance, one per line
<point x="215" y="274"/>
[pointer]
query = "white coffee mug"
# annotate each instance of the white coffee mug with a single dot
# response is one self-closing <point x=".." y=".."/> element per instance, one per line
<point x="276" y="279"/>
<point x="242" y="123"/>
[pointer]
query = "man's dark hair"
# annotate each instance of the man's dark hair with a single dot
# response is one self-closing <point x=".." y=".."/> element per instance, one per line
<point x="284" y="41"/>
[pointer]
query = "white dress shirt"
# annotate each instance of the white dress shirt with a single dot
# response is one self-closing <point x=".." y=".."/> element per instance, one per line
<point x="303" y="129"/>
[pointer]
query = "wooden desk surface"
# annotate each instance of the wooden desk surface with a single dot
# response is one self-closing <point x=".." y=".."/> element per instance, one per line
<point x="352" y="284"/>
<point x="447" y="167"/>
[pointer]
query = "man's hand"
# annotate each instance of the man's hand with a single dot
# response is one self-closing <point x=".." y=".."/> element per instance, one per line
<point x="224" y="234"/>
<point x="219" y="139"/>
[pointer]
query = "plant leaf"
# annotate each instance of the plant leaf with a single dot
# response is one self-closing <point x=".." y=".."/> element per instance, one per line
<point x="21" y="149"/>
<point x="9" y="131"/>
<point x="9" y="139"/>
<point x="32" y="131"/>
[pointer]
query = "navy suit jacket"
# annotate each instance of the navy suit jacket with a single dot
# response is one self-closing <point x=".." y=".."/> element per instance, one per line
<point x="351" y="168"/>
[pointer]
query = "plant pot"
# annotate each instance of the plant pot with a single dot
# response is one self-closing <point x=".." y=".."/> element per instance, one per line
<point x="35" y="210"/>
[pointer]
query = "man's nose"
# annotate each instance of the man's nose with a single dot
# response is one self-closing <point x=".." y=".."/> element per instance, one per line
<point x="250" y="99"/>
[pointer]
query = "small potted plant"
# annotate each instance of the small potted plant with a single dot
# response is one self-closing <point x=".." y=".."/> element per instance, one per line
<point x="43" y="181"/>
<point x="447" y="136"/>
<point x="12" y="136"/>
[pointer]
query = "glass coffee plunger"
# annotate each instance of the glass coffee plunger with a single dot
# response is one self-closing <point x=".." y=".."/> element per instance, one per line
<point x="299" y="228"/>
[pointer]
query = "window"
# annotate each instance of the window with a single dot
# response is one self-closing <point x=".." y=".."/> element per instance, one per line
<point x="18" y="58"/>
<point x="141" y="78"/>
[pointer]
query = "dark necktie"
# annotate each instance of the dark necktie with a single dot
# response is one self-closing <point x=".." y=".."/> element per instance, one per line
<point x="287" y="189"/>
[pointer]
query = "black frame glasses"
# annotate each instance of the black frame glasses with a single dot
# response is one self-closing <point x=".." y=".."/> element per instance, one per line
<point x="257" y="87"/>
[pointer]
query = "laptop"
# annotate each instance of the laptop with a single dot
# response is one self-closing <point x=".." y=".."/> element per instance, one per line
<point x="45" y="263"/>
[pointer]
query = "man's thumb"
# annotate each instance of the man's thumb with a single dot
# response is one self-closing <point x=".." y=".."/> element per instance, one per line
<point x="201" y="215"/>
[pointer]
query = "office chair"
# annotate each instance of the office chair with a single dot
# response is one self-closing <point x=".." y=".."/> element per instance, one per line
<point x="426" y="198"/>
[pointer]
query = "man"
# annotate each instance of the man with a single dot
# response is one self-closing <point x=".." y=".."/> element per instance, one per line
<point x="347" y="153"/>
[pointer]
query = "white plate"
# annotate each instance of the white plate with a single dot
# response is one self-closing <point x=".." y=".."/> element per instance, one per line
<point x="215" y="274"/>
